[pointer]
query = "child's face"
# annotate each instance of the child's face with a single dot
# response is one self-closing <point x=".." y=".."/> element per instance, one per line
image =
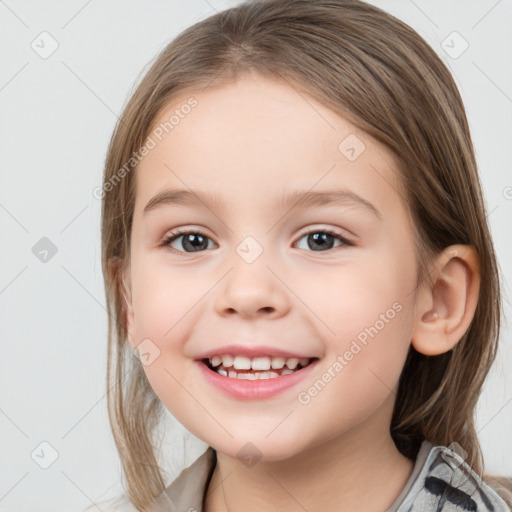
<point x="249" y="143"/>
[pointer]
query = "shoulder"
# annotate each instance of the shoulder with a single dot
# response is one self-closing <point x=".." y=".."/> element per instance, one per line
<point x="186" y="491"/>
<point x="445" y="480"/>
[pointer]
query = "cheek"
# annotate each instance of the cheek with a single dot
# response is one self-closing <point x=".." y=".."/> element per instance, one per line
<point x="363" y="362"/>
<point x="371" y="343"/>
<point x="349" y="299"/>
<point x="368" y="310"/>
<point x="165" y="305"/>
<point x="163" y="299"/>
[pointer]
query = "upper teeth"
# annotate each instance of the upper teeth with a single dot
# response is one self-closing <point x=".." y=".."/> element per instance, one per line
<point x="257" y="363"/>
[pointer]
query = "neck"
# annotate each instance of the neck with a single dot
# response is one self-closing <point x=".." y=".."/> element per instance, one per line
<point x="358" y="470"/>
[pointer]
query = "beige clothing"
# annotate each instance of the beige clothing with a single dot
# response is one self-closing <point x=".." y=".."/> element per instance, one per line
<point x="440" y="482"/>
<point x="437" y="483"/>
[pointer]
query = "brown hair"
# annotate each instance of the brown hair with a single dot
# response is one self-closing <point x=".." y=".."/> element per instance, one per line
<point x="383" y="77"/>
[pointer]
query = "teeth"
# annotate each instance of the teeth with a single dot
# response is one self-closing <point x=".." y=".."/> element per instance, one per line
<point x="261" y="363"/>
<point x="257" y="363"/>
<point x="248" y="376"/>
<point x="227" y="361"/>
<point x="292" y="363"/>
<point x="252" y="376"/>
<point x="242" y="363"/>
<point x="278" y="363"/>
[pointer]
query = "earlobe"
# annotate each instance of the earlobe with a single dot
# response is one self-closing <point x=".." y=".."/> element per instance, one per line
<point x="445" y="309"/>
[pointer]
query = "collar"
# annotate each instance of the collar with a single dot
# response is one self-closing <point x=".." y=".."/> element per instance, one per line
<point x="439" y="474"/>
<point x="188" y="491"/>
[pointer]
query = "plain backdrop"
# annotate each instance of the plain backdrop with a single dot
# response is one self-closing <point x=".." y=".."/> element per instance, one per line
<point x="66" y="70"/>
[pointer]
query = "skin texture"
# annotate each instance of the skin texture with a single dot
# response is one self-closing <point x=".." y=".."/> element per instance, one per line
<point x="250" y="141"/>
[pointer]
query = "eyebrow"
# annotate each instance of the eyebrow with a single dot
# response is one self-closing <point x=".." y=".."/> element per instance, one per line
<point x="296" y="198"/>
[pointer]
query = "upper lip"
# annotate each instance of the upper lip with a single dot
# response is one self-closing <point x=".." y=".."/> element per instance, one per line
<point x="252" y="351"/>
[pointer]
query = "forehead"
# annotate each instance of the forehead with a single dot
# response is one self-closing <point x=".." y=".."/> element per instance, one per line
<point x="253" y="137"/>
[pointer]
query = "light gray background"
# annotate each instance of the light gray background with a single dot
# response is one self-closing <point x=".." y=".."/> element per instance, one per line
<point x="56" y="118"/>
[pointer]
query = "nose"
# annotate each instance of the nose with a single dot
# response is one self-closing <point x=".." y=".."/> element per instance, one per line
<point x="252" y="290"/>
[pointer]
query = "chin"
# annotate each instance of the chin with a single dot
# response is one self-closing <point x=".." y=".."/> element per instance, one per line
<point x="252" y="449"/>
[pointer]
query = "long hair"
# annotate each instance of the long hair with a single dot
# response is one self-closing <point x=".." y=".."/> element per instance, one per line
<point x="383" y="77"/>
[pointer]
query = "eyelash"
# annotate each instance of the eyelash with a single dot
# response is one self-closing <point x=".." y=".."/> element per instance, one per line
<point x="177" y="234"/>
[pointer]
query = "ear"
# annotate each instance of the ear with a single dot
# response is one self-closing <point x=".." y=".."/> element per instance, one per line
<point x="129" y="317"/>
<point x="445" y="308"/>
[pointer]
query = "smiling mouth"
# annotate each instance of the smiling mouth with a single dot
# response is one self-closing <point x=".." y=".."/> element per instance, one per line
<point x="243" y="368"/>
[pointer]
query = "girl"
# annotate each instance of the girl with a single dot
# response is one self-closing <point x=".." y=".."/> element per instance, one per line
<point x="295" y="247"/>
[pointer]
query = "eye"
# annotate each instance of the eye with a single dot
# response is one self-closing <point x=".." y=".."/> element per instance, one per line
<point x="193" y="241"/>
<point x="322" y="240"/>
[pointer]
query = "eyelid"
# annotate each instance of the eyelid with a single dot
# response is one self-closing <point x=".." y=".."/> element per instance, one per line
<point x="347" y="240"/>
<point x="179" y="232"/>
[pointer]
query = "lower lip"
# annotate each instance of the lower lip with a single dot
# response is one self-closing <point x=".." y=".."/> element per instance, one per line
<point x="255" y="389"/>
